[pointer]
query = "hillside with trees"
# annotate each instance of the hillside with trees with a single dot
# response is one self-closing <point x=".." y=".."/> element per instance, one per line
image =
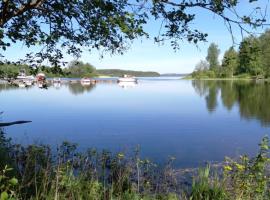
<point x="79" y="69"/>
<point x="251" y="60"/>
<point x="120" y="72"/>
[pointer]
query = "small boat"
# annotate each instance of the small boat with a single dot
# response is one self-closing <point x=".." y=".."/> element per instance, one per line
<point x="86" y="81"/>
<point x="40" y="77"/>
<point x="28" y="82"/>
<point x="22" y="75"/>
<point x="56" y="80"/>
<point x="127" y="78"/>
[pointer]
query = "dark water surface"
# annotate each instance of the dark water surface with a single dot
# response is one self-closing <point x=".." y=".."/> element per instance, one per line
<point x="195" y="121"/>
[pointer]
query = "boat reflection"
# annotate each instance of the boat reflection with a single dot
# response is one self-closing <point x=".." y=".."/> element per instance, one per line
<point x="57" y="85"/>
<point x="127" y="85"/>
<point x="42" y="85"/>
<point x="79" y="88"/>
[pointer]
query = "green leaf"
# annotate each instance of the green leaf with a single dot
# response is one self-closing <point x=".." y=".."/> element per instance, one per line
<point x="4" y="196"/>
<point x="13" y="181"/>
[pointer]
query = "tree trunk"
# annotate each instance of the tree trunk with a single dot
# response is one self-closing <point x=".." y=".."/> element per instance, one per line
<point x="13" y="123"/>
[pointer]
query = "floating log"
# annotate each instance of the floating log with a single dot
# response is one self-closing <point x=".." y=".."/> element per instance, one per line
<point x="13" y="123"/>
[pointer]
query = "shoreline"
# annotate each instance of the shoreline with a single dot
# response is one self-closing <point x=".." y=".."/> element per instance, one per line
<point x="225" y="79"/>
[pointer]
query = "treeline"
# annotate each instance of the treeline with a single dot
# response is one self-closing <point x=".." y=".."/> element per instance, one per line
<point x="75" y="69"/>
<point x="251" y="60"/>
<point x="11" y="71"/>
<point x="120" y="72"/>
<point x="78" y="69"/>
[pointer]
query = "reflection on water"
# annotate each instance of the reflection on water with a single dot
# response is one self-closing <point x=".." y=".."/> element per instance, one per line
<point x="74" y="88"/>
<point x="195" y="121"/>
<point x="78" y="88"/>
<point x="127" y="85"/>
<point x="252" y="99"/>
<point x="57" y="85"/>
<point x="6" y="87"/>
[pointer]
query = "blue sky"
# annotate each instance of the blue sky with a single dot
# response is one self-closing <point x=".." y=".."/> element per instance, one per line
<point x="146" y="55"/>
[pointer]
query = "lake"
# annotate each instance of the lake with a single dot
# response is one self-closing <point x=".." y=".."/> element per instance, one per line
<point x="194" y="121"/>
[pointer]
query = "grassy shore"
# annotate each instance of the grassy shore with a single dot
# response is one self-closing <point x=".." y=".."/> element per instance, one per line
<point x="34" y="172"/>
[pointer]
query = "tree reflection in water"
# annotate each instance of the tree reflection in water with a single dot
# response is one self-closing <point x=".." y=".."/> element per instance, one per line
<point x="252" y="98"/>
<point x="75" y="88"/>
<point x="78" y="88"/>
<point x="5" y="86"/>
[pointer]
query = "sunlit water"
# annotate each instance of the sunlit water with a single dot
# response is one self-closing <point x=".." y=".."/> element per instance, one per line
<point x="194" y="121"/>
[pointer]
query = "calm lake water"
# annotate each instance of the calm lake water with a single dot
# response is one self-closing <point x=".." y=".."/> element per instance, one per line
<point x="195" y="121"/>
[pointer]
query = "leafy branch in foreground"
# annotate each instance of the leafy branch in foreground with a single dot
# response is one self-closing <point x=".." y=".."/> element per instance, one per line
<point x="66" y="26"/>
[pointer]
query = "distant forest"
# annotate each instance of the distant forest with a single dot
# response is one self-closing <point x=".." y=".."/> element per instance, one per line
<point x="120" y="72"/>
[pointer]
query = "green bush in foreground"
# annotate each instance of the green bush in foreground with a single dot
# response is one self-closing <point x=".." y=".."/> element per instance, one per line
<point x="7" y="185"/>
<point x="68" y="174"/>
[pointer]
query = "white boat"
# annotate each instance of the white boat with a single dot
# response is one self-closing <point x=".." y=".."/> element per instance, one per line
<point x="32" y="78"/>
<point x="23" y="77"/>
<point x="127" y="78"/>
<point x="28" y="82"/>
<point x="56" y="80"/>
<point x="85" y="81"/>
<point x="20" y="77"/>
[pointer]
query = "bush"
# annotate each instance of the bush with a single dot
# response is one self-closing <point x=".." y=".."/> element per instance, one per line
<point x="207" y="188"/>
<point x="243" y="76"/>
<point x="203" y="74"/>
<point x="7" y="185"/>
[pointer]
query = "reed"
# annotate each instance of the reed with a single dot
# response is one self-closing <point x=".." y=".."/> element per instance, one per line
<point x="35" y="172"/>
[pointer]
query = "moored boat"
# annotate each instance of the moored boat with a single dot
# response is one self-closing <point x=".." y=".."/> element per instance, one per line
<point x="22" y="75"/>
<point x="40" y="77"/>
<point x="28" y="82"/>
<point x="127" y="78"/>
<point x="85" y="81"/>
<point x="56" y="80"/>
